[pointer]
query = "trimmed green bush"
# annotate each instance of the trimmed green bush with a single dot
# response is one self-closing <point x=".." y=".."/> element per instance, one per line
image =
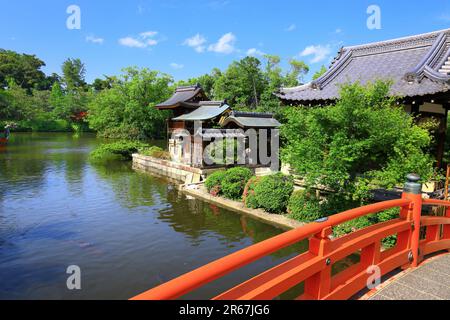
<point x="272" y="193"/>
<point x="116" y="150"/>
<point x="213" y="182"/>
<point x="249" y="193"/>
<point x="304" y="206"/>
<point x="234" y="182"/>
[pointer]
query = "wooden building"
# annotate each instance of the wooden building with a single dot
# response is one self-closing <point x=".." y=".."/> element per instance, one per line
<point x="204" y="121"/>
<point x="418" y="66"/>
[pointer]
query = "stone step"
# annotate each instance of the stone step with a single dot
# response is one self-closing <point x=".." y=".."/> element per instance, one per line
<point x="444" y="71"/>
<point x="446" y="66"/>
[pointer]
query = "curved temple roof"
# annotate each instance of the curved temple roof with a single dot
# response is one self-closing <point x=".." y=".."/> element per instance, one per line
<point x="252" y="120"/>
<point x="206" y="111"/>
<point x="187" y="96"/>
<point x="418" y="65"/>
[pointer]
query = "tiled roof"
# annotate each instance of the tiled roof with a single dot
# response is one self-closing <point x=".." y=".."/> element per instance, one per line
<point x="206" y="111"/>
<point x="252" y="120"/>
<point x="183" y="96"/>
<point x="417" y="65"/>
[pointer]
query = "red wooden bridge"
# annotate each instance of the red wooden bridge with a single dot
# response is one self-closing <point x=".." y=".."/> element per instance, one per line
<point x="418" y="236"/>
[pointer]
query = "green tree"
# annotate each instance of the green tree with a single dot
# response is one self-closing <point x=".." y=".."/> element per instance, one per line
<point x="319" y="73"/>
<point x="298" y="70"/>
<point x="126" y="110"/>
<point x="73" y="74"/>
<point x="23" y="69"/>
<point x="241" y="84"/>
<point x="365" y="141"/>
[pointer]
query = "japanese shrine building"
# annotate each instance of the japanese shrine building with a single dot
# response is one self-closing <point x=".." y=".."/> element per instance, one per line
<point x="418" y="66"/>
<point x="189" y="105"/>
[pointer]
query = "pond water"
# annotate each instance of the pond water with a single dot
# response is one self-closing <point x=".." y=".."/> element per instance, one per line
<point x="127" y="231"/>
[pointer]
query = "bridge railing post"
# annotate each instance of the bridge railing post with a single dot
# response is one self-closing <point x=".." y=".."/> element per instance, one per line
<point x="319" y="285"/>
<point x="413" y="191"/>
<point x="446" y="228"/>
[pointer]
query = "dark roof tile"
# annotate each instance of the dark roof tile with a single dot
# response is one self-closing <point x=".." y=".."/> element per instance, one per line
<point x="412" y="63"/>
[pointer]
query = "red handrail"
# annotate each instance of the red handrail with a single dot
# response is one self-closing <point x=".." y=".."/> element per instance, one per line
<point x="314" y="266"/>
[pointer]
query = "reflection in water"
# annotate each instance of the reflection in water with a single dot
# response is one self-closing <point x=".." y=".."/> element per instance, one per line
<point x="128" y="231"/>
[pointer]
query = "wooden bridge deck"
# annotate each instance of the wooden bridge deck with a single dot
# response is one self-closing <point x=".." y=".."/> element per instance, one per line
<point x="429" y="281"/>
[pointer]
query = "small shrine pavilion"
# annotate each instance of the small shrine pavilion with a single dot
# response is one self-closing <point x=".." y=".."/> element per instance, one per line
<point x="190" y="106"/>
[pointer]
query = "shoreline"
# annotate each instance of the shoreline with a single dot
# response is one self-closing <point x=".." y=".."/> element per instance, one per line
<point x="198" y="191"/>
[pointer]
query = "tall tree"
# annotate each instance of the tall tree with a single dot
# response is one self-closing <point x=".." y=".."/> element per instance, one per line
<point x="73" y="74"/>
<point x="298" y="70"/>
<point x="126" y="110"/>
<point x="242" y="83"/>
<point x="319" y="73"/>
<point x="24" y="69"/>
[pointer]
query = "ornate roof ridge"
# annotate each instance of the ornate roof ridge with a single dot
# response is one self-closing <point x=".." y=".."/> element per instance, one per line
<point x="407" y="42"/>
<point x="187" y="88"/>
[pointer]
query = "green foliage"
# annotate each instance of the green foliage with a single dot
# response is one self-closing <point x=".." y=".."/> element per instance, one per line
<point x="233" y="183"/>
<point x="305" y="206"/>
<point x="363" y="142"/>
<point x="155" y="152"/>
<point x="353" y="225"/>
<point x="28" y="101"/>
<point x="116" y="150"/>
<point x="319" y="73"/>
<point x="272" y="192"/>
<point x="248" y="85"/>
<point x="249" y="196"/>
<point x="74" y="72"/>
<point x="213" y="182"/>
<point x="23" y="69"/>
<point x="366" y="221"/>
<point x="126" y="110"/>
<point x="229" y="149"/>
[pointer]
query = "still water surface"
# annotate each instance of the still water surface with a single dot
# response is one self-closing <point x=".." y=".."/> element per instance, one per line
<point x="127" y="231"/>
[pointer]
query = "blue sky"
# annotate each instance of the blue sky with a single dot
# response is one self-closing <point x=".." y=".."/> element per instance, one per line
<point x="189" y="38"/>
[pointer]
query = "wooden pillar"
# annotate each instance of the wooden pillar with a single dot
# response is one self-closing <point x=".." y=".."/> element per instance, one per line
<point x="441" y="138"/>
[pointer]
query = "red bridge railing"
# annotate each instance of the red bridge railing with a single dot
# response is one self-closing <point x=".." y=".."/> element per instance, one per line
<point x="314" y="267"/>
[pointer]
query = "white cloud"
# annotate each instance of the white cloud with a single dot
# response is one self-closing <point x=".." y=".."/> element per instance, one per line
<point x="144" y="40"/>
<point x="148" y="34"/>
<point x="318" y="52"/>
<point x="176" y="66"/>
<point x="225" y="44"/>
<point x="254" y="52"/>
<point x="94" y="39"/>
<point x="197" y="42"/>
<point x="338" y="30"/>
<point x="292" y="27"/>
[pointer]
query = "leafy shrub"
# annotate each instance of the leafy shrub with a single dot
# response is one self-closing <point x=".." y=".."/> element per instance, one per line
<point x="353" y="225"/>
<point x="366" y="221"/>
<point x="305" y="206"/>
<point x="272" y="193"/>
<point x="249" y="193"/>
<point x="363" y="142"/>
<point x="387" y="215"/>
<point x="214" y="181"/>
<point x="116" y="150"/>
<point x="155" y="152"/>
<point x="234" y="182"/>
